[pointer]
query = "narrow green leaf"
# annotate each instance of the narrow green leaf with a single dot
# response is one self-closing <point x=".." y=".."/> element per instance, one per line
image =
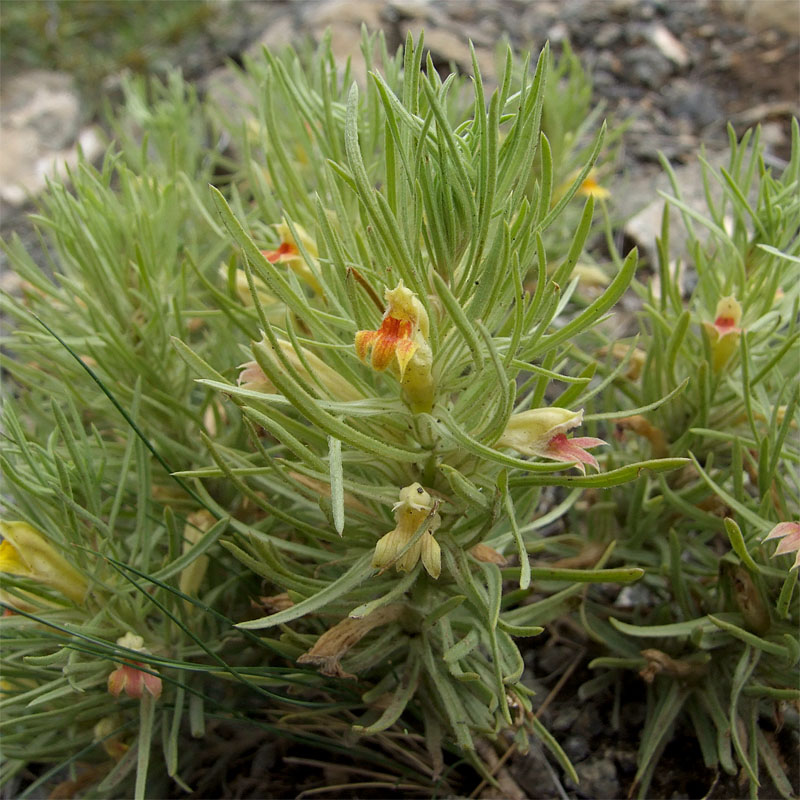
<point x="355" y="575"/>
<point x="146" y="720"/>
<point x="337" y="486"/>
<point x="738" y="544"/>
<point x="403" y="694"/>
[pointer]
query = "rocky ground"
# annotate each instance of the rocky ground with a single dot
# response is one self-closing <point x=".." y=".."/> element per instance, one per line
<point x="677" y="72"/>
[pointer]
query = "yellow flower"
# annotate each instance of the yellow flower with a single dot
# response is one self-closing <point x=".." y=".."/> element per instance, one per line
<point x="411" y="511"/>
<point x="104" y="732"/>
<point x="404" y="323"/>
<point x="27" y="553"/>
<point x="542" y="432"/>
<point x="724" y="333"/>
<point x="288" y="253"/>
<point x="401" y="342"/>
<point x="589" y="186"/>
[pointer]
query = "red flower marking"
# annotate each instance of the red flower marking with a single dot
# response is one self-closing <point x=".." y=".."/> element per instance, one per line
<point x="393" y="338"/>
<point x="725" y="325"/>
<point x="285" y="250"/>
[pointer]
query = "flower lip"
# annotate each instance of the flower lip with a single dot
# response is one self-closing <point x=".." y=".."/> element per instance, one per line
<point x="403" y="329"/>
<point x="727" y="316"/>
<point x="725" y="324"/>
<point x="130" y="677"/>
<point x="288" y="252"/>
<point x="789" y="534"/>
<point x="281" y="253"/>
<point x="590" y="187"/>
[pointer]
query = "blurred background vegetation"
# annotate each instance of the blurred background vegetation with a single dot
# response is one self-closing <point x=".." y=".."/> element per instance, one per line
<point x="94" y="39"/>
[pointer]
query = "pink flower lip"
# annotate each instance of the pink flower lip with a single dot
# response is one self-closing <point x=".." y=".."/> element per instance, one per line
<point x="133" y="681"/>
<point x="560" y="448"/>
<point x="789" y="533"/>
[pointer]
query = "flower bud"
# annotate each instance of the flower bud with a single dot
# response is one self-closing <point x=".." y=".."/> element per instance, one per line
<point x="242" y="288"/>
<point x="191" y="577"/>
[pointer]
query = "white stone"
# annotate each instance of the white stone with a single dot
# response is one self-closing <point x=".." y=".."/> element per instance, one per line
<point x="668" y="45"/>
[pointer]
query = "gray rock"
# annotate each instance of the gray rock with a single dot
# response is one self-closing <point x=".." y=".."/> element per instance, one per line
<point x="577" y="748"/>
<point x="634" y="596"/>
<point x="693" y="101"/>
<point x="645" y="66"/>
<point x="320" y="15"/>
<point x="669" y="47"/>
<point x="554" y="659"/>
<point x="598" y="779"/>
<point x="281" y="31"/>
<point x="534" y="775"/>
<point x="607" y="34"/>
<point x="639" y="200"/>
<point x="565" y="718"/>
<point x="44" y="104"/>
<point x="225" y="89"/>
<point x="40" y="121"/>
<point x="589" y="724"/>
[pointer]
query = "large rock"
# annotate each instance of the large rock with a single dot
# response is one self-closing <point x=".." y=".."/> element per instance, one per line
<point x="40" y="123"/>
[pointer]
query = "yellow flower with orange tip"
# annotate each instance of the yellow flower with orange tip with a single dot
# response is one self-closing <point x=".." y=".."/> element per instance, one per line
<point x="397" y="335"/>
<point x="542" y="432"/>
<point x="27" y="553"/>
<point x="413" y="508"/>
<point x="401" y="343"/>
<point x="724" y="333"/>
<point x="288" y="253"/>
<point x="106" y="730"/>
